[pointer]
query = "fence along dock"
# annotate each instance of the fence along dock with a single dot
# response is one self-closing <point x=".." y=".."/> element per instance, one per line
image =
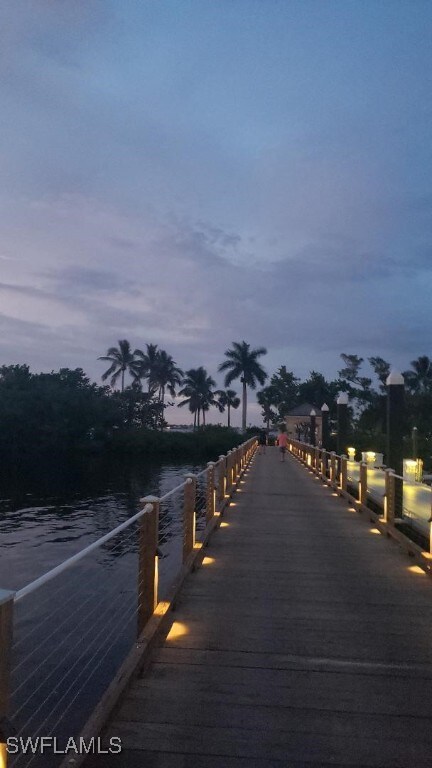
<point x="304" y="640"/>
<point x="52" y="658"/>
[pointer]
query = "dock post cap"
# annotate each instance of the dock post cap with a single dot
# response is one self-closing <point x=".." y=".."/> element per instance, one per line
<point x="313" y="412"/>
<point x="6" y="595"/>
<point x="342" y="399"/>
<point x="149" y="499"/>
<point x="395" y="378"/>
<point x="325" y="407"/>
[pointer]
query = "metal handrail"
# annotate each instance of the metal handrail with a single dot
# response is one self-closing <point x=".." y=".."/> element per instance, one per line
<point x="39" y="582"/>
<point x="29" y="588"/>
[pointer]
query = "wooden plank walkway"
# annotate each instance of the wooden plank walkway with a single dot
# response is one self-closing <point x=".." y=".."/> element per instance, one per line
<point x="305" y="642"/>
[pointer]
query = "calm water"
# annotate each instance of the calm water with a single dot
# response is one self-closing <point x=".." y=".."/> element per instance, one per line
<point x="71" y="635"/>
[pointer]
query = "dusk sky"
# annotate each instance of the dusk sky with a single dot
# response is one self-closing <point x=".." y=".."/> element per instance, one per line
<point x="192" y="173"/>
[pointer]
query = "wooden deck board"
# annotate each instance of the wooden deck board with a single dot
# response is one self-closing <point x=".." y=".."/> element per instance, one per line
<point x="306" y="642"/>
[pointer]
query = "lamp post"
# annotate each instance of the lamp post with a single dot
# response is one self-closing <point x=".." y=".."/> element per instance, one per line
<point x="395" y="432"/>
<point x="313" y="427"/>
<point x="414" y="436"/>
<point x="325" y="432"/>
<point x="342" y="423"/>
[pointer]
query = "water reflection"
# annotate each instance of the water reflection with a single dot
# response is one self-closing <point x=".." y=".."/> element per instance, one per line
<point x="39" y="532"/>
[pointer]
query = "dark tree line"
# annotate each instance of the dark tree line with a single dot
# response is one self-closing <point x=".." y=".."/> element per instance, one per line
<point x="64" y="411"/>
<point x="367" y="398"/>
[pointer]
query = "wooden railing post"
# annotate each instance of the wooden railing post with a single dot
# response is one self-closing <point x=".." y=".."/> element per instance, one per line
<point x="221" y="481"/>
<point x="233" y="468"/>
<point x="210" y="492"/>
<point x="324" y="463"/>
<point x="343" y="483"/>
<point x="362" y="491"/>
<point x="333" y="468"/>
<point x="148" y="562"/>
<point x="390" y="497"/>
<point x="6" y="629"/>
<point x="189" y="516"/>
<point x="228" y="481"/>
<point x="237" y="464"/>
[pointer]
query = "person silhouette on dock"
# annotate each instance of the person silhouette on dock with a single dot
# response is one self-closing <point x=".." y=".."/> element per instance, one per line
<point x="282" y="441"/>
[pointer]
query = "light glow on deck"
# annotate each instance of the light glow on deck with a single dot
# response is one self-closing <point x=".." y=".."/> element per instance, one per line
<point x="416" y="569"/>
<point x="208" y="560"/>
<point x="178" y="629"/>
<point x="374" y="530"/>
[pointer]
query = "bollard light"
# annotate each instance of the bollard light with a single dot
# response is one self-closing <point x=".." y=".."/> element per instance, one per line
<point x="351" y="453"/>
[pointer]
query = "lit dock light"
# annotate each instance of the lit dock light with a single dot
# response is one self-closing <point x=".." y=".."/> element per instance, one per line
<point x="351" y="453"/>
<point x="224" y="525"/>
<point x="208" y="560"/>
<point x="374" y="530"/>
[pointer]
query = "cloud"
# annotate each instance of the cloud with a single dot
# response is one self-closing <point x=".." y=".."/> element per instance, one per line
<point x="191" y="179"/>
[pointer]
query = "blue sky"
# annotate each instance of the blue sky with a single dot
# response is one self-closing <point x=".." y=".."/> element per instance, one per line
<point x="193" y="173"/>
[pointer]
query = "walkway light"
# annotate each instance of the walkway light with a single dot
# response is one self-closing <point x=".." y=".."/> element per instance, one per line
<point x="351" y="453"/>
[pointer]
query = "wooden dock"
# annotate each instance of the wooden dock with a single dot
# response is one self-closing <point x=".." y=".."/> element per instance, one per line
<point x="304" y="641"/>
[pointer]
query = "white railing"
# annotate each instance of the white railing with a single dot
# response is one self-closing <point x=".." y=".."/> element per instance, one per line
<point x="64" y="635"/>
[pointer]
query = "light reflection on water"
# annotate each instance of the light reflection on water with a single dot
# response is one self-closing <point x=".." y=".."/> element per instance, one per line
<point x="71" y="635"/>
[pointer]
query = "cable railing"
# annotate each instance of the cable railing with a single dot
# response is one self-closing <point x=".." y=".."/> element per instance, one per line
<point x="65" y="635"/>
<point x="400" y="500"/>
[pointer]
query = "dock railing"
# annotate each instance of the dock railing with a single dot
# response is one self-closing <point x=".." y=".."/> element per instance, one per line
<point x="396" y="500"/>
<point x="71" y="631"/>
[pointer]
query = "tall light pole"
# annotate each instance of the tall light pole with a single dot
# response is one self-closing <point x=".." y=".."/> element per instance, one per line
<point x="342" y="423"/>
<point x="313" y="427"/>
<point x="325" y="431"/>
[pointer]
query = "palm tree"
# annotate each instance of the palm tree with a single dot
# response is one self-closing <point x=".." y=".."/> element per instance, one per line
<point x="228" y="399"/>
<point x="146" y="366"/>
<point x="419" y="380"/>
<point x="198" y="393"/>
<point x="166" y="374"/>
<point x="122" y="360"/>
<point x="242" y="363"/>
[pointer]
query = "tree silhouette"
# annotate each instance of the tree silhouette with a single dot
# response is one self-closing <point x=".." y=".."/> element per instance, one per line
<point x="122" y="360"/>
<point x="242" y="363"/>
